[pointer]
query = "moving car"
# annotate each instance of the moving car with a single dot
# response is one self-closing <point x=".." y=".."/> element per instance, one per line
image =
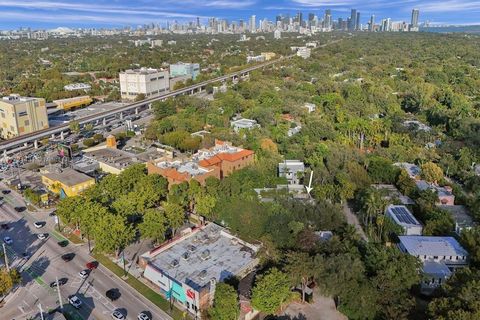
<point x="68" y="256"/>
<point x="84" y="273"/>
<point x="75" y="301"/>
<point x="117" y="315"/>
<point x="8" y="240"/>
<point x="42" y="236"/>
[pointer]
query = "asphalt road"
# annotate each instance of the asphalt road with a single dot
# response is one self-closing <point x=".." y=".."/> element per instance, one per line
<point x="45" y="264"/>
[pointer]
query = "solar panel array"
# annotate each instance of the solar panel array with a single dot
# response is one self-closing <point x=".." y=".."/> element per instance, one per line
<point x="403" y="215"/>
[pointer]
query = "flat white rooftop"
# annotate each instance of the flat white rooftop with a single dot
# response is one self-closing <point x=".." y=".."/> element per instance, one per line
<point x="432" y="246"/>
<point x="210" y="252"/>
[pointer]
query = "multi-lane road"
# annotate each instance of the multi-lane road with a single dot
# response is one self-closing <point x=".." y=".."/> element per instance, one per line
<point x="45" y="264"/>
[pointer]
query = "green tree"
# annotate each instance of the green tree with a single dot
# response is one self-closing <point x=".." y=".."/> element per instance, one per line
<point x="8" y="279"/>
<point x="74" y="126"/>
<point x="301" y="269"/>
<point x="271" y="291"/>
<point x="112" y="233"/>
<point x="205" y="205"/>
<point x="174" y="214"/>
<point x="432" y="172"/>
<point x="225" y="304"/>
<point x="154" y="225"/>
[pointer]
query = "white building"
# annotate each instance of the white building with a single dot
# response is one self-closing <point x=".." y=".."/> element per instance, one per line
<point x="149" y="82"/>
<point x="77" y="86"/>
<point x="244" y="124"/>
<point x="277" y="34"/>
<point x="292" y="170"/>
<point x="310" y="107"/>
<point x="403" y="217"/>
<point x="304" y="52"/>
<point x="440" y="257"/>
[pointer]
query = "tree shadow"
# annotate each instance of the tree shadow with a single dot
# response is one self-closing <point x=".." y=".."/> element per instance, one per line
<point x="36" y="270"/>
<point x="299" y="316"/>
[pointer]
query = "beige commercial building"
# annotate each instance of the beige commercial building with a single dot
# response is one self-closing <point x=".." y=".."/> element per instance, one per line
<point x="21" y="115"/>
<point x="149" y="82"/>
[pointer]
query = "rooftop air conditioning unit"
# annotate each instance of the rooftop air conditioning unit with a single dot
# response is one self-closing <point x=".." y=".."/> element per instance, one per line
<point x="205" y="254"/>
<point x="186" y="256"/>
<point x="174" y="263"/>
<point x="203" y="274"/>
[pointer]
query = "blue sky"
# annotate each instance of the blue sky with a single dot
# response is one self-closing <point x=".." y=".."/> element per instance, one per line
<point x="110" y="13"/>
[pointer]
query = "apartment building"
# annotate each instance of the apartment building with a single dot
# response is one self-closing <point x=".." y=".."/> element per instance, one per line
<point x="178" y="171"/>
<point x="21" y="115"/>
<point x="143" y="81"/>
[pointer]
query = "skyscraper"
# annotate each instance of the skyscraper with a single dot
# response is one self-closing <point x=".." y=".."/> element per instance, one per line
<point x="327" y="19"/>
<point x="353" y="20"/>
<point x="371" y="27"/>
<point x="414" y="22"/>
<point x="253" y="24"/>
<point x="357" y="22"/>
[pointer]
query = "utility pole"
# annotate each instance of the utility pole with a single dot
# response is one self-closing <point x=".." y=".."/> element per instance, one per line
<point x="59" y="294"/>
<point x="6" y="257"/>
<point x="41" y="311"/>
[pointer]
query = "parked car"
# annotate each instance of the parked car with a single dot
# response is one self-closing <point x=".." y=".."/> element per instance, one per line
<point x="75" y="302"/>
<point x="6" y="191"/>
<point x="84" y="273"/>
<point x="117" y="315"/>
<point x="42" y="236"/>
<point x="61" y="282"/>
<point x="39" y="224"/>
<point x="143" y="316"/>
<point x="68" y="256"/>
<point x="92" y="265"/>
<point x="20" y="209"/>
<point x="63" y="243"/>
<point x="113" y="294"/>
<point x="7" y="240"/>
<point x="5" y="226"/>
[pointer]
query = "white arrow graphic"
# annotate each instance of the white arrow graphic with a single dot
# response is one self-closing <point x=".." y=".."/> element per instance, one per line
<point x="309" y="188"/>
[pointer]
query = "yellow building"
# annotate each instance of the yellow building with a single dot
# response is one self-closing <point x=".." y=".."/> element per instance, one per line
<point x="67" y="183"/>
<point x="21" y="115"/>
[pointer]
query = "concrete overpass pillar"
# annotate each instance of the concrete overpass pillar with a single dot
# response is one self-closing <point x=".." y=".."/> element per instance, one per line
<point x="149" y="106"/>
<point x="121" y="115"/>
<point x="136" y="110"/>
<point x="35" y="144"/>
<point x="25" y="144"/>
<point x="104" y="121"/>
<point x="62" y="137"/>
<point x="53" y="136"/>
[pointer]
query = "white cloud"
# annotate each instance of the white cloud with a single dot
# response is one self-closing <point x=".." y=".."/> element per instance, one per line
<point x="450" y="6"/>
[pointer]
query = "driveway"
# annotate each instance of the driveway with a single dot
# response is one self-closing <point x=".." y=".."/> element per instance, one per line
<point x="322" y="308"/>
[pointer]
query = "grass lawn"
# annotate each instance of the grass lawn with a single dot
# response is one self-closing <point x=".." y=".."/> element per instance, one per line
<point x="148" y="293"/>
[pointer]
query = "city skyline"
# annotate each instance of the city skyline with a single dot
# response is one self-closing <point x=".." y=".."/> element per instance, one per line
<point x="88" y="14"/>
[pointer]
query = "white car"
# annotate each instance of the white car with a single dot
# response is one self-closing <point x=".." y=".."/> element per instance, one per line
<point x="83" y="274"/>
<point x="38" y="224"/>
<point x="117" y="315"/>
<point x="8" y="240"/>
<point x="75" y="301"/>
<point x="143" y="316"/>
<point x="42" y="236"/>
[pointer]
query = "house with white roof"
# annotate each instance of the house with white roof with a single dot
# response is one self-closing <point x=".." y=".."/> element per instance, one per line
<point x="440" y="257"/>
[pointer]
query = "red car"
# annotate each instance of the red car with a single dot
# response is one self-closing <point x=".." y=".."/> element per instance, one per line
<point x="92" y="265"/>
